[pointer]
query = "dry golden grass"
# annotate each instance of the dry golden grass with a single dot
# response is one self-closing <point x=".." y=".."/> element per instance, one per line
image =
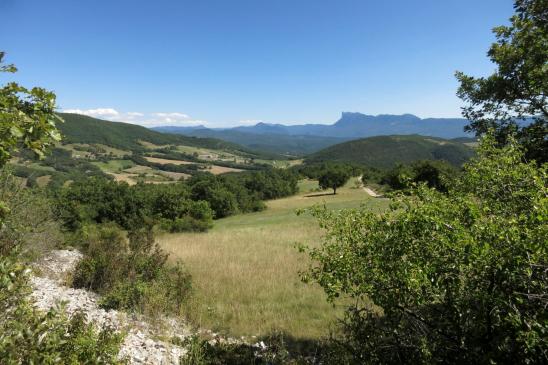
<point x="176" y="176"/>
<point x="43" y="180"/>
<point x="217" y="170"/>
<point x="214" y="169"/>
<point x="164" y="161"/>
<point x="246" y="269"/>
<point x="123" y="177"/>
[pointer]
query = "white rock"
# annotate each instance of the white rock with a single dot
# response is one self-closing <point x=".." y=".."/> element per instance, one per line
<point x="138" y="347"/>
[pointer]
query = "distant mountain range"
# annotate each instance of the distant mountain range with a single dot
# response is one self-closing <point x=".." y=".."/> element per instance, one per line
<point x="78" y="128"/>
<point x="308" y="138"/>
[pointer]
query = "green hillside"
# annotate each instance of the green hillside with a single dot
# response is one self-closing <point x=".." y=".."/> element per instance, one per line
<point x="387" y="151"/>
<point x="131" y="153"/>
<point x="83" y="129"/>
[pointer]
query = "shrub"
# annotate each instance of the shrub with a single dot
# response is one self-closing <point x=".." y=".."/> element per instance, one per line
<point x="131" y="272"/>
<point x="30" y="225"/>
<point x="435" y="174"/>
<point x="131" y="207"/>
<point x="203" y="352"/>
<point x="456" y="277"/>
<point x="33" y="337"/>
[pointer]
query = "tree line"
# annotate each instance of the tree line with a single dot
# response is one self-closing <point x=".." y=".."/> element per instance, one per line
<point x="189" y="205"/>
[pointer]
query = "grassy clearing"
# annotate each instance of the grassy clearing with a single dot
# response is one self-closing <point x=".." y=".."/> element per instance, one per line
<point x="175" y="176"/>
<point x="139" y="169"/>
<point x="75" y="148"/>
<point x="210" y="155"/>
<point x="114" y="165"/>
<point x="37" y="166"/>
<point x="217" y="170"/>
<point x="124" y="177"/>
<point x="43" y="181"/>
<point x="151" y="146"/>
<point x="164" y="161"/>
<point x="281" y="164"/>
<point x="245" y="270"/>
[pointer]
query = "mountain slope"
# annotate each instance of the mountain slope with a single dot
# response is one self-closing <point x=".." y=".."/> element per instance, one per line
<point x="356" y="125"/>
<point x="83" y="129"/>
<point x="309" y="138"/>
<point x="269" y="142"/>
<point x="387" y="151"/>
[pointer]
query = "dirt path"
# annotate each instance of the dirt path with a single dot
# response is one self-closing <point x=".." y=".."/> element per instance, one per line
<point x="368" y="190"/>
<point x="371" y="192"/>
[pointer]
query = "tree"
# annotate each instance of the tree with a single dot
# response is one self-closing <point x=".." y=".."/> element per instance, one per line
<point x="333" y="178"/>
<point x="456" y="277"/>
<point x="27" y="117"/>
<point x="435" y="174"/>
<point x="27" y="335"/>
<point x="516" y="93"/>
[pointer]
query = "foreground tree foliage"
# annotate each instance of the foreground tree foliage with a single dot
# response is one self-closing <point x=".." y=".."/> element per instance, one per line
<point x="28" y="336"/>
<point x="519" y="87"/>
<point x="27" y="117"/>
<point x="456" y="277"/>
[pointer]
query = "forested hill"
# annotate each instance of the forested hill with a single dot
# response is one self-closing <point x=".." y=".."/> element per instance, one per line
<point x="387" y="151"/>
<point x="270" y="142"/>
<point x="83" y="129"/>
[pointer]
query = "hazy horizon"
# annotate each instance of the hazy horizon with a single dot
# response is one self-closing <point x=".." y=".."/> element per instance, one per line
<point x="235" y="125"/>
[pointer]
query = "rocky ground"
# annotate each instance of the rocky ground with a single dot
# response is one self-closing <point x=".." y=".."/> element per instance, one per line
<point x="141" y="344"/>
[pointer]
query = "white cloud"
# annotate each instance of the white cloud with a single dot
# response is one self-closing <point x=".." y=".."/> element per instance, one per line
<point x="171" y="115"/>
<point x="99" y="112"/>
<point x="145" y="119"/>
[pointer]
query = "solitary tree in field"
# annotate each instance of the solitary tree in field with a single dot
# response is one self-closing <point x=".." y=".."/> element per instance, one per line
<point x="333" y="179"/>
<point x="518" y="89"/>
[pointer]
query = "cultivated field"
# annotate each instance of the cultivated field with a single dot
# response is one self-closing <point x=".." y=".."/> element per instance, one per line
<point x="164" y="161"/>
<point x="246" y="269"/>
<point x="217" y="170"/>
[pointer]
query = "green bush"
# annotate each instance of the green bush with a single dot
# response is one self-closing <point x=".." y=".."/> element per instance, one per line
<point x="131" y="207"/>
<point x="131" y="272"/>
<point x="435" y="174"/>
<point x="32" y="337"/>
<point x="185" y="224"/>
<point x="457" y="277"/>
<point x="203" y="352"/>
<point x="30" y="225"/>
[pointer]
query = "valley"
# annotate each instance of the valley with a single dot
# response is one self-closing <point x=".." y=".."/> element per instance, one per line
<point x="274" y="182"/>
<point x="132" y="154"/>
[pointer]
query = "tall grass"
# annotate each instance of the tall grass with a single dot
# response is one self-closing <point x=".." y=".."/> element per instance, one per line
<point x="246" y="270"/>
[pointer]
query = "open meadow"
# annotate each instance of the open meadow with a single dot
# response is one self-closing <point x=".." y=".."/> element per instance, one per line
<point x="246" y="269"/>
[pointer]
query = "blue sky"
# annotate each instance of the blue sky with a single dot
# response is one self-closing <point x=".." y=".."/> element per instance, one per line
<point x="229" y="62"/>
